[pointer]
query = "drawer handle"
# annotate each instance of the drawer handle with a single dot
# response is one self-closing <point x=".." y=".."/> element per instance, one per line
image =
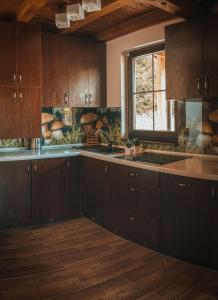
<point x="132" y="190"/>
<point x="133" y="174"/>
<point x="132" y="218"/>
<point x="183" y="185"/>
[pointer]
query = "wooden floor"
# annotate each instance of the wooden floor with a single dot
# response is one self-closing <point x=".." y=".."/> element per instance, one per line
<point x="80" y="260"/>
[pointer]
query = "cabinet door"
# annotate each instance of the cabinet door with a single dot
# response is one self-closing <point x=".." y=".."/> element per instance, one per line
<point x="215" y="226"/>
<point x="184" y="61"/>
<point x="114" y="197"/>
<point x="78" y="72"/>
<point x="7" y="53"/>
<point x="97" y="74"/>
<point x="186" y="218"/>
<point x="55" y="70"/>
<point x="28" y="51"/>
<point x="15" y="193"/>
<point x="73" y="177"/>
<point x="20" y="112"/>
<point x="93" y="181"/>
<point x="48" y="190"/>
<point x="210" y="43"/>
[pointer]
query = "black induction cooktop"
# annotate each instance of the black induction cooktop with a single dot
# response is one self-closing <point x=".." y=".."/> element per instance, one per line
<point x="153" y="158"/>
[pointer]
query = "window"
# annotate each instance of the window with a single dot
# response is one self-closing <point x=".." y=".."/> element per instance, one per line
<point x="151" y="116"/>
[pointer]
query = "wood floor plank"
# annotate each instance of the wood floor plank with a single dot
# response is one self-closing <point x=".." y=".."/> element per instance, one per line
<point x="80" y="260"/>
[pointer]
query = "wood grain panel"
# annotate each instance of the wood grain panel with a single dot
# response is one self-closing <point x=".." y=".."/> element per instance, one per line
<point x="184" y="53"/>
<point x="55" y="70"/>
<point x="81" y="260"/>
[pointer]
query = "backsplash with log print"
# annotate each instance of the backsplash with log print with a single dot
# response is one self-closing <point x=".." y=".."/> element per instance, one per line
<point x="69" y="126"/>
<point x="198" y="127"/>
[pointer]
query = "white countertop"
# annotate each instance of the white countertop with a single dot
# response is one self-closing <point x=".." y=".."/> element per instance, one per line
<point x="198" y="166"/>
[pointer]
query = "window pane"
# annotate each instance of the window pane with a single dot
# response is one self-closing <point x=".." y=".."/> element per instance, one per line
<point x="164" y="119"/>
<point x="142" y="81"/>
<point x="143" y="111"/>
<point x="159" y="71"/>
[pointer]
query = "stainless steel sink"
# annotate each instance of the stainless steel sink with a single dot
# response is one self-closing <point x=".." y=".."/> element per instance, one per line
<point x="99" y="149"/>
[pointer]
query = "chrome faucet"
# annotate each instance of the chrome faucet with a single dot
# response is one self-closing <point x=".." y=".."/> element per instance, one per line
<point x="106" y="137"/>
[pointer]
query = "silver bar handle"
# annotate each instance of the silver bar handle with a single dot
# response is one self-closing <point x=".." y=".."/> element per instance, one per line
<point x="184" y="185"/>
<point x="199" y="85"/>
<point x="35" y="169"/>
<point x="28" y="169"/>
<point x="90" y="99"/>
<point x="20" y="78"/>
<point x="86" y="100"/>
<point x="206" y="85"/>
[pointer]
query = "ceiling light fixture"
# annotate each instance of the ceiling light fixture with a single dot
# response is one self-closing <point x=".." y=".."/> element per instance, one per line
<point x="75" y="12"/>
<point x="91" y="5"/>
<point x="62" y="21"/>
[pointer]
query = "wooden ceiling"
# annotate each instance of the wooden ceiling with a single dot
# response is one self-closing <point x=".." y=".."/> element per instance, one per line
<point x="116" y="18"/>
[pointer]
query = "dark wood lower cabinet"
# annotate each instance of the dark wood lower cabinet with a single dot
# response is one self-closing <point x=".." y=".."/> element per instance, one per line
<point x="15" y="193"/>
<point x="92" y="186"/>
<point x="186" y="214"/>
<point x="55" y="190"/>
<point x="72" y="185"/>
<point x="132" y="204"/>
<point x="48" y="190"/>
<point x="215" y="225"/>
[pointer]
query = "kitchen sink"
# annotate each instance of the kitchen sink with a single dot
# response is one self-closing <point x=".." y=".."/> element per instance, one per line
<point x="99" y="149"/>
<point x="154" y="158"/>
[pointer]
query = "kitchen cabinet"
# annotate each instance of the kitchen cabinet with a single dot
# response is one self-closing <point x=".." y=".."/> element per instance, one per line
<point x="97" y="74"/>
<point x="191" y="59"/>
<point x="92" y="185"/>
<point x="15" y="193"/>
<point x="132" y="204"/>
<point x="183" y="44"/>
<point x="48" y="190"/>
<point x="78" y="78"/>
<point x="72" y="186"/>
<point x="210" y="48"/>
<point x="87" y="73"/>
<point x="78" y="72"/>
<point x="215" y="225"/>
<point x="20" y="80"/>
<point x="186" y="211"/>
<point x="55" y="75"/>
<point x="20" y="116"/>
<point x="20" y="57"/>
<point x="55" y="189"/>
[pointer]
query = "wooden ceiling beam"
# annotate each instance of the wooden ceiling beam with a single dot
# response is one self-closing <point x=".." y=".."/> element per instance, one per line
<point x="184" y="9"/>
<point x="91" y="17"/>
<point x="148" y="19"/>
<point x="28" y="9"/>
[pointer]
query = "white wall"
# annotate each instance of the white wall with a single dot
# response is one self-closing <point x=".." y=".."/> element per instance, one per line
<point x="115" y="49"/>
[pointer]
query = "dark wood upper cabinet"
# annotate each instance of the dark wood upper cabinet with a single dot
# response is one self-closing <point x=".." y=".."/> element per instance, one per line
<point x="20" y="112"/>
<point x="184" y="60"/>
<point x="78" y="72"/>
<point x="29" y="62"/>
<point x="97" y="74"/>
<point x="20" y="80"/>
<point x="15" y="193"/>
<point x="87" y="73"/>
<point x="7" y="53"/>
<point x="78" y="77"/>
<point x="210" y="50"/>
<point x="186" y="211"/>
<point x="55" y="70"/>
<point x="191" y="59"/>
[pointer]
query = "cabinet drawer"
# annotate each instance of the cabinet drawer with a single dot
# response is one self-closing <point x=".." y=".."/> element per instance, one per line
<point x="133" y="177"/>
